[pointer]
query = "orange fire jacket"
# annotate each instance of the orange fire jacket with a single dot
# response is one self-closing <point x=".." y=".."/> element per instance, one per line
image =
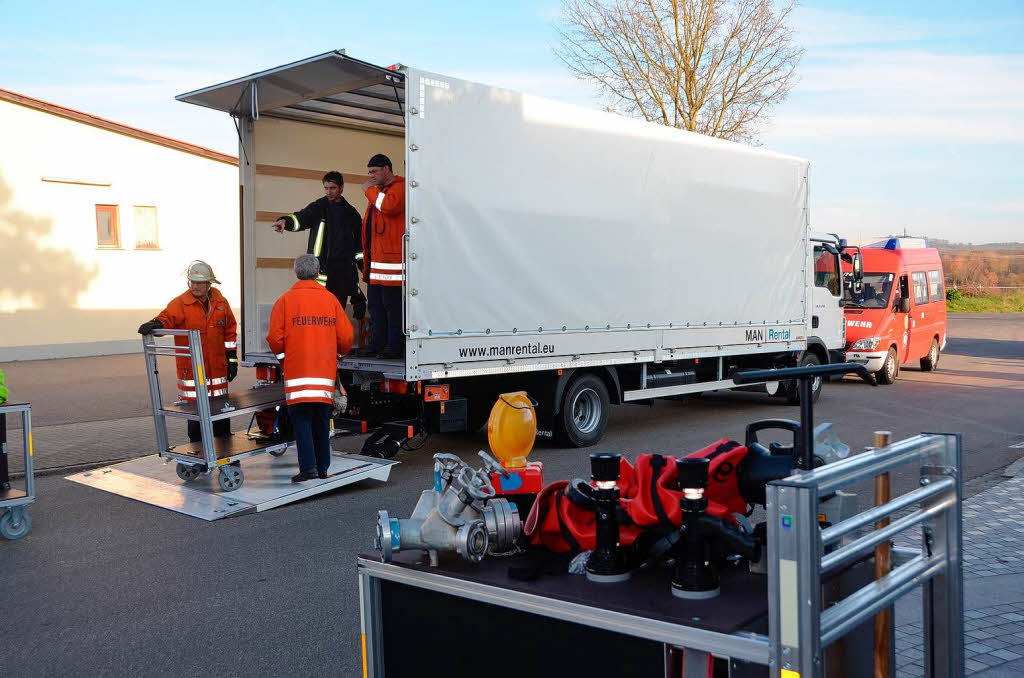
<point x="309" y="332"/>
<point x="383" y="230"/>
<point x="217" y="330"/>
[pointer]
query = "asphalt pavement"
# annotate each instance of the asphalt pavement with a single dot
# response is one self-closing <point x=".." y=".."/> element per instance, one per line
<point x="107" y="586"/>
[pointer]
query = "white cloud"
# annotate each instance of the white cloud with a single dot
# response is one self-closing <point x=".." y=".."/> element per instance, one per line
<point x="907" y="94"/>
<point x="825" y="28"/>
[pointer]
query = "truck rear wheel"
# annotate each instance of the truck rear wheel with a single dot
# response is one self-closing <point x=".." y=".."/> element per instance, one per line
<point x="890" y="368"/>
<point x="931" y="361"/>
<point x="583" y="417"/>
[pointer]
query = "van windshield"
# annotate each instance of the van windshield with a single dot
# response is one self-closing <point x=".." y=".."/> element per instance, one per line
<point x="874" y="293"/>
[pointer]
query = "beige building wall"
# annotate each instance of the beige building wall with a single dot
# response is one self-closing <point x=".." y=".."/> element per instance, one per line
<point x="61" y="294"/>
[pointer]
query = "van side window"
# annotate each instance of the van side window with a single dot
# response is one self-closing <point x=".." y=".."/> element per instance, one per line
<point x="826" y="271"/>
<point x="920" y="287"/>
<point x="935" y="285"/>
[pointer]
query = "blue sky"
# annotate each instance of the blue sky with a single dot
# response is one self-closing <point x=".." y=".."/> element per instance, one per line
<point x="912" y="113"/>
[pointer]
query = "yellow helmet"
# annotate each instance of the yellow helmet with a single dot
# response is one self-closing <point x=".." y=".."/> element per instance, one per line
<point x="512" y="429"/>
<point x="200" y="271"/>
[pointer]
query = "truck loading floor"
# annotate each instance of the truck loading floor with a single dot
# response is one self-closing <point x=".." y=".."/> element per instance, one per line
<point x="153" y="480"/>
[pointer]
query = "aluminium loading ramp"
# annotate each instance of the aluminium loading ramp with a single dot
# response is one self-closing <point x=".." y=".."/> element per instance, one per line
<point x="154" y="481"/>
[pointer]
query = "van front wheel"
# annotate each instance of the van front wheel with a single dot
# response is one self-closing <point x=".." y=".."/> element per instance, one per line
<point x="890" y="368"/>
<point x="931" y="361"/>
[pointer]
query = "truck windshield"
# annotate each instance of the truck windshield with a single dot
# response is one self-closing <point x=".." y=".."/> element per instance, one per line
<point x="874" y="293"/>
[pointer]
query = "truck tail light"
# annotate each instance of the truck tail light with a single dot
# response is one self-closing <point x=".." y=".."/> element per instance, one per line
<point x="398" y="386"/>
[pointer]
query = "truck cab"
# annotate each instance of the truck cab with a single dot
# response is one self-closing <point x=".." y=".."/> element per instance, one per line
<point x="897" y="314"/>
<point x="828" y="328"/>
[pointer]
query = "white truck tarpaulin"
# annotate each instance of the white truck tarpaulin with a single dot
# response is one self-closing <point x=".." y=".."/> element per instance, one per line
<point x="525" y="213"/>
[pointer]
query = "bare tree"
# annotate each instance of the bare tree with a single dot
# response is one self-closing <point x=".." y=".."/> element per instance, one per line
<point x="716" y="67"/>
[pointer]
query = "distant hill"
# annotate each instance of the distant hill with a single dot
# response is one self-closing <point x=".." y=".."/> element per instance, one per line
<point x="941" y="244"/>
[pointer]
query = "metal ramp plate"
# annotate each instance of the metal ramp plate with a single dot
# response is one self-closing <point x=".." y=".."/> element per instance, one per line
<point x="153" y="480"/>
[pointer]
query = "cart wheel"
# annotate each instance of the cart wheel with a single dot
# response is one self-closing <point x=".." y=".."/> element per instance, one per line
<point x="278" y="453"/>
<point x="187" y="472"/>
<point x="15" y="523"/>
<point x="230" y="478"/>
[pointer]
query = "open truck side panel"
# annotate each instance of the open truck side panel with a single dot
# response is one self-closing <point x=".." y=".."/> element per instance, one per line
<point x="546" y="244"/>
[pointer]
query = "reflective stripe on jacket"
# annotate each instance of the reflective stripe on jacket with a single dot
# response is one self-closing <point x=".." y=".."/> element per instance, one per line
<point x="334" y="239"/>
<point x="308" y="333"/>
<point x="384" y="229"/>
<point x="217" y="332"/>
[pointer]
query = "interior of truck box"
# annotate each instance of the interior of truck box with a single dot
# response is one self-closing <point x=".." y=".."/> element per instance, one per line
<point x="296" y="123"/>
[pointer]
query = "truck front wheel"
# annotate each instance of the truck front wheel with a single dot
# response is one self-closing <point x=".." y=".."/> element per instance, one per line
<point x="583" y="417"/>
<point x="791" y="389"/>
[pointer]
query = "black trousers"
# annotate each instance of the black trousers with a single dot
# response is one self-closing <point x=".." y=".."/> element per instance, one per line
<point x="221" y="429"/>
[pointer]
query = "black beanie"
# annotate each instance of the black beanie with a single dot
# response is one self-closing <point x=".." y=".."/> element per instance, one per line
<point x="379" y="160"/>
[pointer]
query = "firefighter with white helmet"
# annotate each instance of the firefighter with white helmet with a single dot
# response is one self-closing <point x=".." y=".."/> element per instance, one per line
<point x="202" y="307"/>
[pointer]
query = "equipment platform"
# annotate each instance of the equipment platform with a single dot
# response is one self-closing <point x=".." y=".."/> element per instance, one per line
<point x="154" y="481"/>
<point x="235" y="446"/>
<point x="231" y="405"/>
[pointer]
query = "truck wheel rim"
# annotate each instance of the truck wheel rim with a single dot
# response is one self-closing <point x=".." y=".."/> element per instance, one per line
<point x="586" y="410"/>
<point x="890" y="367"/>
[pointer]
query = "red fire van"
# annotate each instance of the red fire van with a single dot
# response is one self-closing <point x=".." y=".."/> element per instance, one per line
<point x="898" y="312"/>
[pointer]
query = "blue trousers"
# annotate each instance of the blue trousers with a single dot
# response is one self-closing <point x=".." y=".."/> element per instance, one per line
<point x="312" y="425"/>
<point x="384" y="303"/>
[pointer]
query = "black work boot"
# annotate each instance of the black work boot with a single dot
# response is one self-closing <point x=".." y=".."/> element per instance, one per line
<point x="303" y="476"/>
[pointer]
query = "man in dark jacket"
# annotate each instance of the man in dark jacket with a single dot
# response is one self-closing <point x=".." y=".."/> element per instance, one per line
<point x="335" y="236"/>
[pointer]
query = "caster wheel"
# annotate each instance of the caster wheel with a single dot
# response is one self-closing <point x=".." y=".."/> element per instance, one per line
<point x="230" y="478"/>
<point x="187" y="472"/>
<point x="15" y="523"/>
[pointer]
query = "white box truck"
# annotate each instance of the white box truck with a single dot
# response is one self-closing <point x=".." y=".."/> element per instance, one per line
<point x="584" y="257"/>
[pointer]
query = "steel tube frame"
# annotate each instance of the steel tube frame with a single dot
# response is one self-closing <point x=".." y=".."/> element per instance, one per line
<point x="25" y="410"/>
<point x="799" y="629"/>
<point x="850" y="551"/>
<point x="840" y="530"/>
<point x="869" y="464"/>
<point x="858" y="607"/>
<point x="194" y="352"/>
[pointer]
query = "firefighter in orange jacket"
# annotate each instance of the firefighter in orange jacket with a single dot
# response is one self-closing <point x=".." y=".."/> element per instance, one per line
<point x="205" y="309"/>
<point x="383" y="267"/>
<point x="309" y="332"/>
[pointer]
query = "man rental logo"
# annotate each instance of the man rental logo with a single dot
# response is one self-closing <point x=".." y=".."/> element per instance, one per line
<point x="772" y="333"/>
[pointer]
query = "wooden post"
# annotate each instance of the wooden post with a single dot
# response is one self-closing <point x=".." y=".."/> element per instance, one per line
<point x="883" y="563"/>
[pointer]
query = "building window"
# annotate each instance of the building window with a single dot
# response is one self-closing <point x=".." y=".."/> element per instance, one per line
<point x="107" y="226"/>
<point x="145" y="228"/>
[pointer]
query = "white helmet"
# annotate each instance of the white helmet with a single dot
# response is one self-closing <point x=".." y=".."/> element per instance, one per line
<point x="200" y="271"/>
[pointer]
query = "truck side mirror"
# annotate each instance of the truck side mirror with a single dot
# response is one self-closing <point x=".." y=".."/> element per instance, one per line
<point x="904" y="305"/>
<point x="858" y="266"/>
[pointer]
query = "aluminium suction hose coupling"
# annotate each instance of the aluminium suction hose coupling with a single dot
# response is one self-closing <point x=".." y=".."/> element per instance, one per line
<point x="607" y="562"/>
